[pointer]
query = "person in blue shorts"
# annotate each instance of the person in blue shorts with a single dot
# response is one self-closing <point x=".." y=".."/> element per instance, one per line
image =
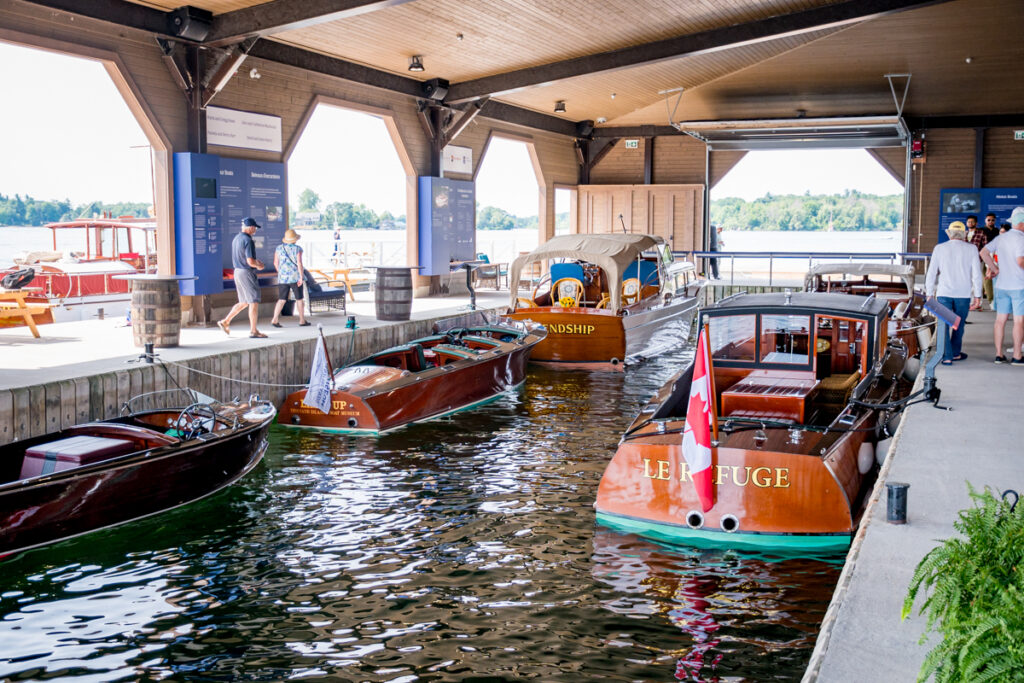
<point x="1009" y="284"/>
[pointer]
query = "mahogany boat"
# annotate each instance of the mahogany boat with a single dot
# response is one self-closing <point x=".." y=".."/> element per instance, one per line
<point x="908" y="320"/>
<point x="78" y="276"/>
<point x="805" y="385"/>
<point x="606" y="299"/>
<point x="424" y="379"/>
<point x="100" y="474"/>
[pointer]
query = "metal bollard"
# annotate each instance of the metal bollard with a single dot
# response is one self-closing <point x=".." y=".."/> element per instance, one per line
<point x="896" y="507"/>
<point x="149" y="352"/>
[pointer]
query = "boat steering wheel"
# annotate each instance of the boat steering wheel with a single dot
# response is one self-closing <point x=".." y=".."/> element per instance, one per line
<point x="545" y="280"/>
<point x="192" y="420"/>
<point x="631" y="290"/>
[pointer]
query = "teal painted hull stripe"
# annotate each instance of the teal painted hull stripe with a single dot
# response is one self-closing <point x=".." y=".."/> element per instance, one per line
<point x="678" y="534"/>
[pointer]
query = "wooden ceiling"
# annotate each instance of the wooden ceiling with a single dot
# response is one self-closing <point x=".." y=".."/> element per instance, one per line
<point x="609" y="59"/>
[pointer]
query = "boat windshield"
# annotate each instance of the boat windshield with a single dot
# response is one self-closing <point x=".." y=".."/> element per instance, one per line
<point x="785" y="339"/>
<point x="732" y="337"/>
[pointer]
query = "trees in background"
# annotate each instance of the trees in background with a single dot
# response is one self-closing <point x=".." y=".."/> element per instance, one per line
<point x="28" y="211"/>
<point x="851" y="210"/>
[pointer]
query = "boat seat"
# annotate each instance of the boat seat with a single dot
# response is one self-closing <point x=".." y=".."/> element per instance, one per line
<point x="835" y="390"/>
<point x="446" y="353"/>
<point x="71" y="452"/>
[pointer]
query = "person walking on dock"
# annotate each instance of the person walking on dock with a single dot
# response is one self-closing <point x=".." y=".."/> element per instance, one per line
<point x="247" y="285"/>
<point x="954" y="278"/>
<point x="1009" y="285"/>
<point x="288" y="264"/>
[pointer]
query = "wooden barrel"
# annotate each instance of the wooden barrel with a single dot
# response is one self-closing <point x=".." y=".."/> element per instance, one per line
<point x="394" y="293"/>
<point x="156" y="313"/>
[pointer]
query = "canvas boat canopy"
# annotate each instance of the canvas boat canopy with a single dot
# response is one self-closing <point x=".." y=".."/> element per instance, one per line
<point x="895" y="270"/>
<point x="610" y="252"/>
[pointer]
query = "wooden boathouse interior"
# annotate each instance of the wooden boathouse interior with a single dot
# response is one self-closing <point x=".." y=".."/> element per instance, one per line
<point x="636" y="106"/>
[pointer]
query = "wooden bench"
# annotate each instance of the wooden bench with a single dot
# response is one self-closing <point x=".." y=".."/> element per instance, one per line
<point x="12" y="305"/>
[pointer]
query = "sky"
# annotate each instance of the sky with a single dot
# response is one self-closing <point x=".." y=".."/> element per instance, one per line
<point x="65" y="133"/>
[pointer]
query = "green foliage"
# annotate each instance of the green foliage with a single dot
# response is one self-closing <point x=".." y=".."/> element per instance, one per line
<point x="977" y="596"/>
<point x="308" y="200"/>
<point x="493" y="218"/>
<point x="849" y="211"/>
<point x="29" y="211"/>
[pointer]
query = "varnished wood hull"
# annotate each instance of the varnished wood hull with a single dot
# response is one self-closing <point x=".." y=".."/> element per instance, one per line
<point x="599" y="339"/>
<point x="49" y="508"/>
<point x="414" y="398"/>
<point x="780" y="498"/>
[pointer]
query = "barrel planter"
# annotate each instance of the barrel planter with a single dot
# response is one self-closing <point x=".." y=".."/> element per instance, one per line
<point x="156" y="312"/>
<point x="394" y="293"/>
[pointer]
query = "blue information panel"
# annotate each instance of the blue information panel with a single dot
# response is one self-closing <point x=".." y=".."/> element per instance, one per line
<point x="957" y="203"/>
<point x="212" y="196"/>
<point x="447" y="229"/>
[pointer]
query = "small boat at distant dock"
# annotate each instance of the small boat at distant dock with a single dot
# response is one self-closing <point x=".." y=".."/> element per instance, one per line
<point x="79" y="274"/>
<point x="607" y="299"/>
<point x="427" y="378"/>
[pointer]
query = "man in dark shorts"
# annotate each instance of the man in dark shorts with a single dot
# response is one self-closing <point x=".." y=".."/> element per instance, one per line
<point x="243" y="258"/>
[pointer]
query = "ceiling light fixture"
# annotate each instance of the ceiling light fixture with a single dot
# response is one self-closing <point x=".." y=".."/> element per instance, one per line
<point x="613" y="96"/>
<point x="560" y="107"/>
<point x="416" y="63"/>
<point x="459" y="36"/>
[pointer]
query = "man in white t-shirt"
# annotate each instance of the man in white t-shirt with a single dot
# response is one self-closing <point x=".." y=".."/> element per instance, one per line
<point x="954" y="279"/>
<point x="1008" y="248"/>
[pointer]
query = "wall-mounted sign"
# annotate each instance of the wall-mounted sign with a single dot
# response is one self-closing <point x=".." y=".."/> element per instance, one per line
<point x="1018" y="135"/>
<point x="447" y="229"/>
<point x="632" y="144"/>
<point x="233" y="128"/>
<point x="955" y="204"/>
<point x="455" y="159"/>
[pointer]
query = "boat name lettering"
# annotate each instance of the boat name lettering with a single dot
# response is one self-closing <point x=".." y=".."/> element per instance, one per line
<point x="761" y="477"/>
<point x="562" y="328"/>
<point x="339" y="405"/>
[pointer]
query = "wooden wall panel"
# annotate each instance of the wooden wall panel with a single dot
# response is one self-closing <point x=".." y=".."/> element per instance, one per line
<point x="722" y="163"/>
<point x="1004" y="159"/>
<point x="620" y="166"/>
<point x="674" y="212"/>
<point x="949" y="163"/>
<point x="678" y="159"/>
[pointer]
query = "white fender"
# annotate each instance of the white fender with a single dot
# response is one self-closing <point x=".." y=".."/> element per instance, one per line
<point x="882" y="450"/>
<point x="925" y="338"/>
<point x="866" y="457"/>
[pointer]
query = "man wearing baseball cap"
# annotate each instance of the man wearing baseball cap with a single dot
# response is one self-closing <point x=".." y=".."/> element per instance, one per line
<point x="247" y="285"/>
<point x="954" y="279"/>
<point x="1009" y="284"/>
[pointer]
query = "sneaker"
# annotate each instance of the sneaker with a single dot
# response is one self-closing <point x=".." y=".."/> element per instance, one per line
<point x="999" y="360"/>
<point x="1017" y="361"/>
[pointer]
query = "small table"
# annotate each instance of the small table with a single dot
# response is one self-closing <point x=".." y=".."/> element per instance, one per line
<point x="156" y="308"/>
<point x="20" y="307"/>
<point x="393" y="291"/>
<point x="469" y="267"/>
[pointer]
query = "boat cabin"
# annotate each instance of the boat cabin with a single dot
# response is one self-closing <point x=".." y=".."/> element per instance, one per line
<point x="793" y="357"/>
<point x="599" y="272"/>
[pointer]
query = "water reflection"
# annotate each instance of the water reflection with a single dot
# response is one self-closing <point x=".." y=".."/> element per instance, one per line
<point x="459" y="549"/>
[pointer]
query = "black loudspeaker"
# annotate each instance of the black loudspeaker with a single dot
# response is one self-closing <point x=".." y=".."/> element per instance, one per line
<point x="190" y="23"/>
<point x="435" y="89"/>
<point x="584" y="129"/>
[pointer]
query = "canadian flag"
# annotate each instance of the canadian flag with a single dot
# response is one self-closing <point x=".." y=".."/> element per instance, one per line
<point x="701" y="421"/>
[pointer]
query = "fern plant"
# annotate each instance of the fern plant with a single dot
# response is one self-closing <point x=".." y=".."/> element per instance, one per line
<point x="975" y="596"/>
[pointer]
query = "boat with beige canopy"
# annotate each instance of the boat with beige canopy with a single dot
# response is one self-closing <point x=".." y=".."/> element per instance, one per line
<point x="606" y="299"/>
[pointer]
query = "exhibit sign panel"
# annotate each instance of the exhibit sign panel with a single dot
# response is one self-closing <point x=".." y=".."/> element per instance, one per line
<point x="957" y="203"/>
<point x="246" y="129"/>
<point x="212" y="195"/>
<point x="447" y="227"/>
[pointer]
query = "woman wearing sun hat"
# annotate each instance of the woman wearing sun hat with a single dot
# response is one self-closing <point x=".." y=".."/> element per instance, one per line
<point x="288" y="263"/>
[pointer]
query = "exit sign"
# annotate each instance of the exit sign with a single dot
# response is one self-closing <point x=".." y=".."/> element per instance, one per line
<point x="635" y="144"/>
<point x="1017" y="135"/>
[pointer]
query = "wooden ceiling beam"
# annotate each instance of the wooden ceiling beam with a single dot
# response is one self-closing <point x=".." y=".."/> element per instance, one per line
<point x="286" y="15"/>
<point x="712" y="40"/>
<point x="118" y="12"/>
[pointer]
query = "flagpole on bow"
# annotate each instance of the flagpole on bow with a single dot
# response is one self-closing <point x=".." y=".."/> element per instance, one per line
<point x="327" y="355"/>
<point x="706" y="331"/>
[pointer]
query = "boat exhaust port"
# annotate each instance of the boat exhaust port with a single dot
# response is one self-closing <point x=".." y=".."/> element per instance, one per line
<point x="694" y="519"/>
<point x="352" y="422"/>
<point x="296" y="419"/>
<point x="729" y="523"/>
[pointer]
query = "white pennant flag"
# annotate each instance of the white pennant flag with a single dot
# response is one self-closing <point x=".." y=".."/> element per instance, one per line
<point x="318" y="392"/>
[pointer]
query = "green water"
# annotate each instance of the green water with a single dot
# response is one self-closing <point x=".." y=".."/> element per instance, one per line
<point x="458" y="550"/>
